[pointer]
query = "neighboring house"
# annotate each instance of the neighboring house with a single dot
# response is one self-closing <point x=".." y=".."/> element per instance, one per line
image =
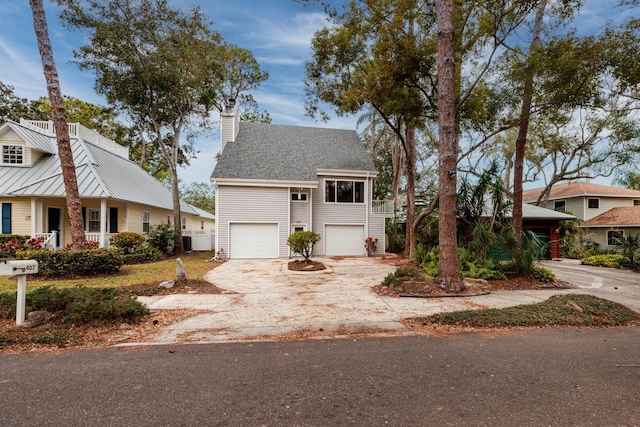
<point x="116" y="194"/>
<point x="607" y="228"/>
<point x="545" y="223"/>
<point x="272" y="180"/>
<point x="607" y="212"/>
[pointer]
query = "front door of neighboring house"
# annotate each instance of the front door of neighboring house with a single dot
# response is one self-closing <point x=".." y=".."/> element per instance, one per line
<point x="54" y="216"/>
<point x="298" y="227"/>
<point x="113" y="220"/>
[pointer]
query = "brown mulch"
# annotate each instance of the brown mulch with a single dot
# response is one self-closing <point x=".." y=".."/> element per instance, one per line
<point x="304" y="265"/>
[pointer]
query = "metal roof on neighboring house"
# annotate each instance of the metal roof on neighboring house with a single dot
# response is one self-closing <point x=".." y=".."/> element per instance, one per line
<point x="538" y="212"/>
<point x="616" y="217"/>
<point x="578" y="188"/>
<point x="290" y="153"/>
<point x="100" y="174"/>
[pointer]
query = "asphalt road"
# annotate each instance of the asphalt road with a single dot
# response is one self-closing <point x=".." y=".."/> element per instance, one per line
<point x="560" y="377"/>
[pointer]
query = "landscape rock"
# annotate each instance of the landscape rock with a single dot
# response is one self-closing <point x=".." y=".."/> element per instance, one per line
<point x="167" y="284"/>
<point x="36" y="318"/>
<point x="180" y="273"/>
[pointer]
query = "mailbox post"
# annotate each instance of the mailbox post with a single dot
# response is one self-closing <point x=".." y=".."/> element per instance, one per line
<point x="20" y="268"/>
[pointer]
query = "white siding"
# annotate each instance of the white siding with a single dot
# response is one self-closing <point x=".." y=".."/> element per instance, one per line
<point x="345" y="213"/>
<point x="252" y="204"/>
<point x="301" y="211"/>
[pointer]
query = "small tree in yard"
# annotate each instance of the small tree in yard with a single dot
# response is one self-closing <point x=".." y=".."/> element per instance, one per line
<point x="301" y="242"/>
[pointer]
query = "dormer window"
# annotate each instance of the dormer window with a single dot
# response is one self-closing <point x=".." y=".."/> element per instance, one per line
<point x="12" y="155"/>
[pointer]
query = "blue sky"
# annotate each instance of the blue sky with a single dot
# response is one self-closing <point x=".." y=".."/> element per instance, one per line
<point x="277" y="32"/>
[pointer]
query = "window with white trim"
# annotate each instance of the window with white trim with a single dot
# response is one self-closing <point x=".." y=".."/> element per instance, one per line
<point x="146" y="221"/>
<point x="201" y="224"/>
<point x="94" y="221"/>
<point x="593" y="203"/>
<point x="636" y="202"/>
<point x="560" y="205"/>
<point x="12" y="154"/>
<point x="168" y="219"/>
<point x="184" y="223"/>
<point x="338" y="191"/>
<point x="299" y="197"/>
<point x="613" y="237"/>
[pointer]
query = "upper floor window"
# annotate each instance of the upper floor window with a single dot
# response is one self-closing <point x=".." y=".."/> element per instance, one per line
<point x="12" y="154"/>
<point x="593" y="203"/>
<point x="184" y="223"/>
<point x="636" y="203"/>
<point x="560" y="205"/>
<point x="344" y="191"/>
<point x="201" y="224"/>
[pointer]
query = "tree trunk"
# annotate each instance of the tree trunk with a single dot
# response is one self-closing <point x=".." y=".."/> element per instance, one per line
<point x="525" y="115"/>
<point x="175" y="191"/>
<point x="410" y="168"/>
<point x="449" y="276"/>
<point x="74" y="207"/>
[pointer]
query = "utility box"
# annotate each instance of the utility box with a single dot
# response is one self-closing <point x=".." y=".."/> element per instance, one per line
<point x="18" y="267"/>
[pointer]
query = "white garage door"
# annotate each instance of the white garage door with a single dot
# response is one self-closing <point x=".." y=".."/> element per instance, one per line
<point x="344" y="240"/>
<point x="253" y="241"/>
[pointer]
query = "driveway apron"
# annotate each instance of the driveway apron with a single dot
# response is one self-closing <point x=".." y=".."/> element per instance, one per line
<point x="265" y="300"/>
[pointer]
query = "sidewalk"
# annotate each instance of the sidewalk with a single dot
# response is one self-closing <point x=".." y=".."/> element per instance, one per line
<point x="270" y="300"/>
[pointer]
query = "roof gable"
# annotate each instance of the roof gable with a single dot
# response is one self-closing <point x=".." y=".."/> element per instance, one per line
<point x="31" y="138"/>
<point x="290" y="153"/>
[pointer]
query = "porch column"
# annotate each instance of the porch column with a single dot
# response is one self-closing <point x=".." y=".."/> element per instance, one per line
<point x="34" y="217"/>
<point x="103" y="223"/>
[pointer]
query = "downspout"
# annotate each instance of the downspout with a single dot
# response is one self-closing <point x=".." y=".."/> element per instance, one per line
<point x="103" y="223"/>
<point x="215" y="228"/>
<point x="288" y="222"/>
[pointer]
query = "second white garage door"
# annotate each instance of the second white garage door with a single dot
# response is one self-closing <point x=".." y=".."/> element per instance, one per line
<point x="253" y="241"/>
<point x="344" y="240"/>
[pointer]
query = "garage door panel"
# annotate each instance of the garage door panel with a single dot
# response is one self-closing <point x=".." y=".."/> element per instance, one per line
<point x="258" y="240"/>
<point x="344" y="240"/>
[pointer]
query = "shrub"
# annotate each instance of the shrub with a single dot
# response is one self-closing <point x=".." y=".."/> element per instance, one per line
<point x="143" y="254"/>
<point x="79" y="305"/>
<point x="75" y="263"/>
<point x="469" y="266"/>
<point x="403" y="273"/>
<point x="89" y="244"/>
<point x="21" y="239"/>
<point x="301" y="242"/>
<point x="605" y="260"/>
<point x="128" y="241"/>
<point x="9" y="248"/>
<point x="162" y="236"/>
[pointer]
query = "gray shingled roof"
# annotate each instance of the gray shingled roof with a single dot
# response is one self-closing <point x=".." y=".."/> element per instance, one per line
<point x="100" y="173"/>
<point x="290" y="153"/>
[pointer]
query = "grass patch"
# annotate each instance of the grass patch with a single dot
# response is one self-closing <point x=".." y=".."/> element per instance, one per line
<point x="559" y="310"/>
<point x="148" y="274"/>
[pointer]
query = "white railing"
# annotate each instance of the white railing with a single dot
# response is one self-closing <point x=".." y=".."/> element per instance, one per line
<point x="95" y="237"/>
<point x="382" y="207"/>
<point x="76" y="130"/>
<point x="49" y="239"/>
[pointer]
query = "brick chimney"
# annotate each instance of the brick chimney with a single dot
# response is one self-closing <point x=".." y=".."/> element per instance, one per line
<point x="229" y="123"/>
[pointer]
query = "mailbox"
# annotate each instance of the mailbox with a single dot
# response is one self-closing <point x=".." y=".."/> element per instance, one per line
<point x="18" y="267"/>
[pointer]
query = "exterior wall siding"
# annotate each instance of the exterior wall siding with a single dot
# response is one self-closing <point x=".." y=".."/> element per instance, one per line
<point x="599" y="235"/>
<point x="301" y="211"/>
<point x="346" y="213"/>
<point x="20" y="209"/>
<point x="252" y="204"/>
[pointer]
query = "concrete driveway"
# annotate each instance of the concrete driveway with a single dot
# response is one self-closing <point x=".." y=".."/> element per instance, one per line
<point x="621" y="286"/>
<point x="267" y="300"/>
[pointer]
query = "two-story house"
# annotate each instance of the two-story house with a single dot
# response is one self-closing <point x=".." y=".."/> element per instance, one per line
<point x="272" y="180"/>
<point x="606" y="213"/>
<point x="116" y="194"/>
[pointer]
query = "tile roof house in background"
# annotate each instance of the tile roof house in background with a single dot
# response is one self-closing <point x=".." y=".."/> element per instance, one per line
<point x="272" y="180"/>
<point x="606" y="212"/>
<point x="116" y="194"/>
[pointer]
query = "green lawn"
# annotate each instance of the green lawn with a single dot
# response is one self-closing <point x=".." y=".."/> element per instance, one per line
<point x="152" y="273"/>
